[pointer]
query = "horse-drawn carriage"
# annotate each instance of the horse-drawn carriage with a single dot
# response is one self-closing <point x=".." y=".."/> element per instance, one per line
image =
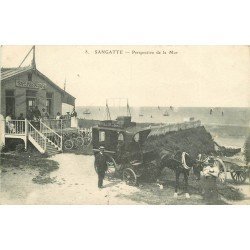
<point x="129" y="156"/>
<point x="123" y="142"/>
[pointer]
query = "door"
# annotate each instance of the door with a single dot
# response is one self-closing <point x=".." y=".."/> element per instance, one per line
<point x="10" y="103"/>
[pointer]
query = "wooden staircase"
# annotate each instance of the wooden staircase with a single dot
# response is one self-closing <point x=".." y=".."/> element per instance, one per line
<point x="45" y="139"/>
<point x="41" y="139"/>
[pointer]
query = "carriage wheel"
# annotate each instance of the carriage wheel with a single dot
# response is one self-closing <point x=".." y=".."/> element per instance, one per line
<point x="68" y="144"/>
<point x="129" y="177"/>
<point x="239" y="176"/>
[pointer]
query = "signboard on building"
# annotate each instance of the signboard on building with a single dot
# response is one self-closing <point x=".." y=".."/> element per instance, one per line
<point x="30" y="84"/>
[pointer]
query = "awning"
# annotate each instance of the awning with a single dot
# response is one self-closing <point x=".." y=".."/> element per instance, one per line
<point x="68" y="99"/>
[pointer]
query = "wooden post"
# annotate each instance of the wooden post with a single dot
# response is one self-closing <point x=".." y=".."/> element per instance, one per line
<point x="26" y="133"/>
<point x="2" y="132"/>
<point x="45" y="144"/>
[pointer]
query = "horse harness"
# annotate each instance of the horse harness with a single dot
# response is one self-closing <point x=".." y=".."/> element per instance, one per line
<point x="183" y="161"/>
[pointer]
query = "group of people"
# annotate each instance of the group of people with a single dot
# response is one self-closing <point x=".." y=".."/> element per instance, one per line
<point x="34" y="115"/>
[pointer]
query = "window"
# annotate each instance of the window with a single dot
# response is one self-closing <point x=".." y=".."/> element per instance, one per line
<point x="49" y="98"/>
<point x="30" y="77"/>
<point x="120" y="137"/>
<point x="31" y="100"/>
<point x="101" y="136"/>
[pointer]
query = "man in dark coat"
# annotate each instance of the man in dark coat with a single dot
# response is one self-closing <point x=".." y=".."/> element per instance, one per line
<point x="101" y="166"/>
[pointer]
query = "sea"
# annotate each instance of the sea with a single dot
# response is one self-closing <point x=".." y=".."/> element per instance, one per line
<point x="213" y="116"/>
<point x="228" y="125"/>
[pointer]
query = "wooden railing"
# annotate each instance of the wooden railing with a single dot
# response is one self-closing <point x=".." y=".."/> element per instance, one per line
<point x="51" y="135"/>
<point x="37" y="136"/>
<point x="57" y="124"/>
<point x="15" y="127"/>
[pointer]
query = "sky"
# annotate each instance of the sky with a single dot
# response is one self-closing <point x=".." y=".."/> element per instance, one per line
<point x="191" y="76"/>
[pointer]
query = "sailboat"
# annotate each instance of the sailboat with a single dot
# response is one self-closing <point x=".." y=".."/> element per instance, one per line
<point x="166" y="113"/>
<point x="86" y="112"/>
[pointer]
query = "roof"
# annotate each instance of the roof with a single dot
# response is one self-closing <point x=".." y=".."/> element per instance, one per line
<point x="7" y="73"/>
<point x="131" y="130"/>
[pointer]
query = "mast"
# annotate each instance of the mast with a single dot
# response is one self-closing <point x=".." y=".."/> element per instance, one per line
<point x="64" y="86"/>
<point x="107" y="111"/>
<point x="128" y="109"/>
<point x="33" y="62"/>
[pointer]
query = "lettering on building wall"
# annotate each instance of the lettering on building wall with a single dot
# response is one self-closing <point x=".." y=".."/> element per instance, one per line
<point x="30" y="84"/>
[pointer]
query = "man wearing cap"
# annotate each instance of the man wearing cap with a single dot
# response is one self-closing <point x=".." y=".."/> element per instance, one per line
<point x="211" y="173"/>
<point x="101" y="166"/>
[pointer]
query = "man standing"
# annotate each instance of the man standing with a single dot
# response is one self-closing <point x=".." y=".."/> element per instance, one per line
<point x="74" y="121"/>
<point x="37" y="113"/>
<point x="101" y="166"/>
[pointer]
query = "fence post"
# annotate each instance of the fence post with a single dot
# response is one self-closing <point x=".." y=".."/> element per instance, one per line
<point x="61" y="143"/>
<point x="26" y="133"/>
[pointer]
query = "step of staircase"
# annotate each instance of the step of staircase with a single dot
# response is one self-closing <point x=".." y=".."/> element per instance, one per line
<point x="51" y="149"/>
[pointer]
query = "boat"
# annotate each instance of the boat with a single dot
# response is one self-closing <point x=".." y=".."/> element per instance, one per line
<point x="166" y="113"/>
<point x="86" y="112"/>
<point x="140" y="114"/>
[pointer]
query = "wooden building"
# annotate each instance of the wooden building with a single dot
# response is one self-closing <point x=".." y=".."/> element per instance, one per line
<point x="23" y="88"/>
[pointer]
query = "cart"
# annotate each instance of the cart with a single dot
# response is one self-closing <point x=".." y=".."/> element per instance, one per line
<point x="238" y="169"/>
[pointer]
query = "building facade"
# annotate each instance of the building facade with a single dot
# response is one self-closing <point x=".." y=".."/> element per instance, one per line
<point x="24" y="88"/>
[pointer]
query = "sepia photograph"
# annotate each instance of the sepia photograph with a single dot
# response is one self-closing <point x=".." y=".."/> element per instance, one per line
<point x="124" y="125"/>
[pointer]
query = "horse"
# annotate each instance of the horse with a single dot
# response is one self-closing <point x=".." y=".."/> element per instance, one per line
<point x="181" y="163"/>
